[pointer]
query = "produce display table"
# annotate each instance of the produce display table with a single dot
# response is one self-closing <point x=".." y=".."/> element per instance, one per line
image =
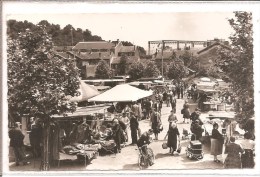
<point x="81" y="151"/>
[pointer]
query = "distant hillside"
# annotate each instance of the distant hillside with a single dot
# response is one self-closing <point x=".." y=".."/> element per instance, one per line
<point x="67" y="36"/>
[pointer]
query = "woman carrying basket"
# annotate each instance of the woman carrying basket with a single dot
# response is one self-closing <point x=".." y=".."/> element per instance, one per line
<point x="172" y="134"/>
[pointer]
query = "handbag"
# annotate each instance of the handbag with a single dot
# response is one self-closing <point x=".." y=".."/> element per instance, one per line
<point x="182" y="111"/>
<point x="164" y="146"/>
<point x="161" y="128"/>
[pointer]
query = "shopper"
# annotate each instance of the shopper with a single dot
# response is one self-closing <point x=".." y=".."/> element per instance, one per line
<point x="156" y="123"/>
<point x="233" y="151"/>
<point x="186" y="112"/>
<point x="173" y="135"/>
<point x="217" y="141"/>
<point x="16" y="142"/>
<point x="197" y="131"/>
<point x="172" y="117"/>
<point x="145" y="139"/>
<point x="35" y="137"/>
<point x="134" y="125"/>
<point x="118" y="135"/>
<point x="248" y="157"/>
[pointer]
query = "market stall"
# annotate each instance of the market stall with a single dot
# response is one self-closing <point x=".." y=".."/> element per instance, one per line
<point x="79" y="135"/>
<point x="121" y="93"/>
<point x="225" y="120"/>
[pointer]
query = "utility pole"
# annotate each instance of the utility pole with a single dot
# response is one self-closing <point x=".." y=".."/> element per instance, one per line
<point x="71" y="36"/>
<point x="162" y="56"/>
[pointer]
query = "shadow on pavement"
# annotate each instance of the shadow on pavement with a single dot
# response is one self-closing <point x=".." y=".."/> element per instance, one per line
<point x="161" y="155"/>
<point x="200" y="164"/>
<point x="131" y="166"/>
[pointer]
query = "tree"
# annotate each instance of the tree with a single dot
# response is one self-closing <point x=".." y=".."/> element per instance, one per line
<point x="60" y="37"/>
<point x="103" y="70"/>
<point x="165" y="68"/>
<point x="186" y="57"/>
<point x="136" y="70"/>
<point x="237" y="64"/>
<point x="39" y="83"/>
<point x="122" y="66"/>
<point x="151" y="70"/>
<point x="141" y="51"/>
<point x="177" y="70"/>
<point x="195" y="64"/>
<point x="127" y="43"/>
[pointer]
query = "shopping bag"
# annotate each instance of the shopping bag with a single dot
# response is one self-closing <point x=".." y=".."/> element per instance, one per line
<point x="179" y="148"/>
<point x="164" y="146"/>
<point x="161" y="128"/>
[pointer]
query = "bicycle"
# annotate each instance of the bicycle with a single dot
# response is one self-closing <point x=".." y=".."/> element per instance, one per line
<point x="143" y="159"/>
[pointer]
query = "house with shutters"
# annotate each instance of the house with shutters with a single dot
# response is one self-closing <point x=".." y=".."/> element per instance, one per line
<point x="88" y="55"/>
<point x="130" y="53"/>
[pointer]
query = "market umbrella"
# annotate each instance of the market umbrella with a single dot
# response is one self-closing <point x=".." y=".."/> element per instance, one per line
<point x="86" y="92"/>
<point x="122" y="93"/>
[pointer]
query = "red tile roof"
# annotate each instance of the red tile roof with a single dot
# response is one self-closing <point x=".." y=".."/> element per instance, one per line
<point x="94" y="45"/>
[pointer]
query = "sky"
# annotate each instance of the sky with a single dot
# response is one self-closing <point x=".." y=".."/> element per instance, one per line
<point x="139" y="28"/>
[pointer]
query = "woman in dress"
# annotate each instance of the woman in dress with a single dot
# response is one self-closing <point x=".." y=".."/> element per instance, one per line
<point x="216" y="143"/>
<point x="156" y="123"/>
<point x="186" y="112"/>
<point x="233" y="151"/>
<point x="172" y="134"/>
<point x="248" y="157"/>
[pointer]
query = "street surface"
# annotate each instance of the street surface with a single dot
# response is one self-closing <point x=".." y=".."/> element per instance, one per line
<point x="128" y="158"/>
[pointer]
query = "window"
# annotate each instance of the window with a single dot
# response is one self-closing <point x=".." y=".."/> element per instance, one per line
<point x="83" y="50"/>
<point x="85" y="63"/>
<point x="94" y="50"/>
<point x="103" y="50"/>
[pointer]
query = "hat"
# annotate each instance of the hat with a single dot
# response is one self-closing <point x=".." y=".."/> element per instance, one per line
<point x="232" y="139"/>
<point x="150" y="130"/>
<point x="17" y="124"/>
<point x="116" y="120"/>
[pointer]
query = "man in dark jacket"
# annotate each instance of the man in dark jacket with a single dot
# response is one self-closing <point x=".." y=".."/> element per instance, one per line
<point x="16" y="142"/>
<point x="35" y="137"/>
<point x="134" y="125"/>
<point x="197" y="131"/>
<point x="196" y="116"/>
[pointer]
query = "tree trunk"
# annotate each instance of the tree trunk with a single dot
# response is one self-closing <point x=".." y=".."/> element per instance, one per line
<point x="45" y="164"/>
